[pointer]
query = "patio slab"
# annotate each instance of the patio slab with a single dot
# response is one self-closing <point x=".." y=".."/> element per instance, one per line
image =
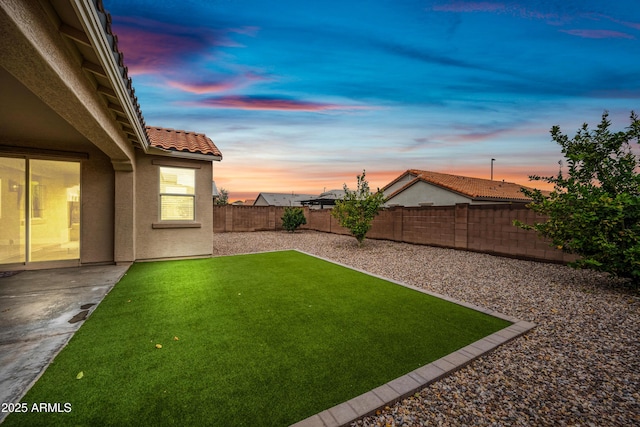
<point x="35" y="309"/>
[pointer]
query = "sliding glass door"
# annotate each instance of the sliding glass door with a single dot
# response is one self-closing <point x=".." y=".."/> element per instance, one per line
<point x="12" y="210"/>
<point x="39" y="210"/>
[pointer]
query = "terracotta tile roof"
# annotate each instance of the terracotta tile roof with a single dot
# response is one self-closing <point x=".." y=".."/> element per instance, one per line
<point x="180" y="140"/>
<point x="474" y="188"/>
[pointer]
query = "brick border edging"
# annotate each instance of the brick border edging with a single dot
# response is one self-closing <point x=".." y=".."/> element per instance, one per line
<point x="395" y="390"/>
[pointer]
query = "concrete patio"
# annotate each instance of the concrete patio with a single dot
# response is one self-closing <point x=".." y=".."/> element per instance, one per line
<point x="36" y="308"/>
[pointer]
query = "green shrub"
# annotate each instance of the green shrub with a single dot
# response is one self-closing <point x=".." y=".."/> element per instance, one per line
<point x="594" y="210"/>
<point x="357" y="209"/>
<point x="293" y="218"/>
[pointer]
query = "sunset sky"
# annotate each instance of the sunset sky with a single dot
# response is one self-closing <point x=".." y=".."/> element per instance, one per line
<point x="301" y="96"/>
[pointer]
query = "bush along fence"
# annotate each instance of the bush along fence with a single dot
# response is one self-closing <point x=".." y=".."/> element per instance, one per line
<point x="478" y="228"/>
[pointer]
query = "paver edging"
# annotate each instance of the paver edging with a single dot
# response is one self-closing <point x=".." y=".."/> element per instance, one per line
<point x="416" y="380"/>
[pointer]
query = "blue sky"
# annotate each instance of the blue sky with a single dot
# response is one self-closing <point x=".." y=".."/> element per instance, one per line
<point x="303" y="95"/>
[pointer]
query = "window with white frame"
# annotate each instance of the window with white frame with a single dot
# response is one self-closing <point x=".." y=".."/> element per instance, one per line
<point x="177" y="194"/>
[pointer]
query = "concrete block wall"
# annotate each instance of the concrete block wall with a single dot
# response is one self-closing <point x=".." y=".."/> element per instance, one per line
<point x="231" y="218"/>
<point x="479" y="228"/>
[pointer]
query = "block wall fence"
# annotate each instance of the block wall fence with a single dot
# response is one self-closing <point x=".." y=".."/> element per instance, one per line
<point x="478" y="228"/>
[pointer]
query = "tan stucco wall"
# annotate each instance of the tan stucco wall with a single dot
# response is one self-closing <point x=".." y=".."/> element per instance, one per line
<point x="97" y="209"/>
<point x="61" y="110"/>
<point x="152" y="243"/>
<point x="398" y="185"/>
<point x="422" y="192"/>
<point x="260" y="201"/>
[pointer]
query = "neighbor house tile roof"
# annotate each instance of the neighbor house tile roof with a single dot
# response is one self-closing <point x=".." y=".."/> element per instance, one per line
<point x="281" y="199"/>
<point x="180" y="140"/>
<point x="474" y="188"/>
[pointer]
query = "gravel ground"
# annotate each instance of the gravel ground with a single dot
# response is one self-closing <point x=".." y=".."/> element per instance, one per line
<point x="578" y="367"/>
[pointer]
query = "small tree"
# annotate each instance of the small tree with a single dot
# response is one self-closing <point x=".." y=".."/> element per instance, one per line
<point x="594" y="211"/>
<point x="358" y="208"/>
<point x="293" y="218"/>
<point x="223" y="198"/>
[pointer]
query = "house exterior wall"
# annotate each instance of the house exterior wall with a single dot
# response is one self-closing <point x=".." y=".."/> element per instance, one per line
<point x="260" y="201"/>
<point x="67" y="116"/>
<point x="97" y="186"/>
<point x="156" y="239"/>
<point x="422" y="192"/>
<point x="399" y="184"/>
<point x="50" y="108"/>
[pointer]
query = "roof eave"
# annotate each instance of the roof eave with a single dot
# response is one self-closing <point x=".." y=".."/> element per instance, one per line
<point x="499" y="200"/>
<point x="90" y="18"/>
<point x="405" y="173"/>
<point x="183" y="154"/>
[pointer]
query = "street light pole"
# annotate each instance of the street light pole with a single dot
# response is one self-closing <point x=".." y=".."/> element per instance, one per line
<point x="492" y="160"/>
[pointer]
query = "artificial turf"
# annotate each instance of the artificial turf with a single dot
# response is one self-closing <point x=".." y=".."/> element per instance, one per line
<point x="256" y="340"/>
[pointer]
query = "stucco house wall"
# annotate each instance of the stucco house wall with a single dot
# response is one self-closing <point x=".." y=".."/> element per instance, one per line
<point x="395" y="186"/>
<point x="422" y="192"/>
<point x="158" y="239"/>
<point x="97" y="186"/>
<point x="66" y="96"/>
<point x="260" y="201"/>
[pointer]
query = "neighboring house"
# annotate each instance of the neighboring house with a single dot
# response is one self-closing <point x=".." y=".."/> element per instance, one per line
<point x="326" y="200"/>
<point x="83" y="180"/>
<point x="215" y="194"/>
<point x="281" y="199"/>
<point x="426" y="188"/>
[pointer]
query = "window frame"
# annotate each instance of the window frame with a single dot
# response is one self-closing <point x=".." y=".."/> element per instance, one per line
<point x="170" y="194"/>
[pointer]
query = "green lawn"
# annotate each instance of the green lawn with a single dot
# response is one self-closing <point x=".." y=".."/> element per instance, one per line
<point x="262" y="340"/>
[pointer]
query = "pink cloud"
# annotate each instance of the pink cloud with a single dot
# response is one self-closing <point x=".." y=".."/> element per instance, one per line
<point x="634" y="25"/>
<point x="223" y="85"/>
<point x="598" y="16"/>
<point x="276" y="104"/>
<point x="599" y="34"/>
<point x="202" y="88"/>
<point x="146" y="52"/>
<point x="150" y="45"/>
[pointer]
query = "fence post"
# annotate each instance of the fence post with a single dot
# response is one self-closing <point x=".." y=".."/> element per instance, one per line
<point x="398" y="223"/>
<point x="228" y="218"/>
<point x="272" y="218"/>
<point x="461" y="225"/>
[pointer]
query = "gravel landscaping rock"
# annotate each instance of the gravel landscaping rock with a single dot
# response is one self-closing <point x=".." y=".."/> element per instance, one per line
<point x="578" y="367"/>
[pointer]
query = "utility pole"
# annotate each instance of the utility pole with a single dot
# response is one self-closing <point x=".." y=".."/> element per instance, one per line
<point x="492" y="160"/>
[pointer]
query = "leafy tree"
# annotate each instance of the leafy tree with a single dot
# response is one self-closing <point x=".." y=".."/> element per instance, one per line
<point x="594" y="210"/>
<point x="293" y="218"/>
<point x="357" y="208"/>
<point x="223" y="198"/>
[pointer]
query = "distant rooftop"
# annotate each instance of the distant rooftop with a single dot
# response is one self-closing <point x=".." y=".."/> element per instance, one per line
<point x="475" y="188"/>
<point x="281" y="199"/>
